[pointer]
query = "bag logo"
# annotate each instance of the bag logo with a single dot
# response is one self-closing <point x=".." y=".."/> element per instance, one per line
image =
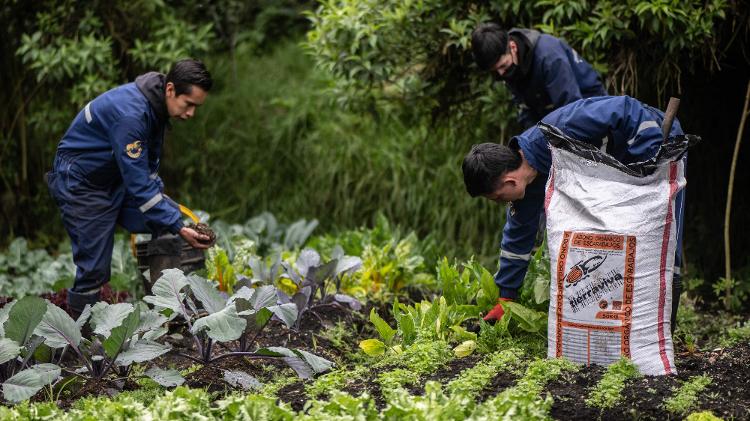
<point x="582" y="269"/>
<point x="134" y="149"/>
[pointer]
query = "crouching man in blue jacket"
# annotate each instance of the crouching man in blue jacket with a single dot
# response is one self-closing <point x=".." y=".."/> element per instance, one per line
<point x="106" y="170"/>
<point x="621" y="126"/>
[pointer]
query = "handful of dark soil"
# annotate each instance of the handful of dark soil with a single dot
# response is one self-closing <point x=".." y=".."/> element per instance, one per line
<point x="202" y="228"/>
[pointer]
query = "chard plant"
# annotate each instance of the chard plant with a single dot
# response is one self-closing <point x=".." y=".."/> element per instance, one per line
<point x="391" y="259"/>
<point x="536" y="283"/>
<point x="474" y="289"/>
<point x="227" y="272"/>
<point x="391" y="266"/>
<point x="234" y="322"/>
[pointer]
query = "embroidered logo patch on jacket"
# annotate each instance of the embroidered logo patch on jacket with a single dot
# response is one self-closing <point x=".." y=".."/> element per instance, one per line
<point x="134" y="149"/>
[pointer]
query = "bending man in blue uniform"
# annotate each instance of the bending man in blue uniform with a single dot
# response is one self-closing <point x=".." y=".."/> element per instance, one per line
<point x="542" y="72"/>
<point x="106" y="170"/>
<point x="621" y="126"/>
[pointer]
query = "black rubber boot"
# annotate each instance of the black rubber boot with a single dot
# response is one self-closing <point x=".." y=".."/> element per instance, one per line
<point x="77" y="301"/>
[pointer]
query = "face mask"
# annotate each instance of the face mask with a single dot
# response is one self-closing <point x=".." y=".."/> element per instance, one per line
<point x="512" y="74"/>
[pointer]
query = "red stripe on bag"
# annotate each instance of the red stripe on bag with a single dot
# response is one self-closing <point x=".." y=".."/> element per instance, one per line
<point x="663" y="268"/>
<point x="550" y="190"/>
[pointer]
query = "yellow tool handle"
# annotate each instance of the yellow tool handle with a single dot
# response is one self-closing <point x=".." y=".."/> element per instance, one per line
<point x="187" y="212"/>
<point x="183" y="209"/>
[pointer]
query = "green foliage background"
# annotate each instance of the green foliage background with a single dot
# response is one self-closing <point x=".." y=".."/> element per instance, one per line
<point x="358" y="107"/>
<point x="302" y="156"/>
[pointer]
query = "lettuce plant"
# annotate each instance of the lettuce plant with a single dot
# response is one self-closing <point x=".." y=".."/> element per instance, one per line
<point x="435" y="320"/>
<point x="235" y="321"/>
<point x="608" y="392"/>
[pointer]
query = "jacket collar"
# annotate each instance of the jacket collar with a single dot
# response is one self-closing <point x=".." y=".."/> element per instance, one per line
<point x="526" y="40"/>
<point x="152" y="86"/>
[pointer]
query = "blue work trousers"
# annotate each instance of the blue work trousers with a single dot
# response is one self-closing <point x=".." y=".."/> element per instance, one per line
<point x="90" y="213"/>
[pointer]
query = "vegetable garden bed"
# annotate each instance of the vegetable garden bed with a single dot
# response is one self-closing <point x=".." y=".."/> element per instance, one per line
<point x="285" y="338"/>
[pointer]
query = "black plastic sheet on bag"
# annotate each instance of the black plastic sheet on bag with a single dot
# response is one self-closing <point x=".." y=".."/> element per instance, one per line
<point x="672" y="149"/>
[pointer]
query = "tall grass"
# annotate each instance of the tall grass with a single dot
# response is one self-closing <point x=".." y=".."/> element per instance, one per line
<point x="273" y="139"/>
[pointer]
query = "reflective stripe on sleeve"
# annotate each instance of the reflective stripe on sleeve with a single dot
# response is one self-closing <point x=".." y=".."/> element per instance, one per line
<point x="153" y="175"/>
<point x="643" y="126"/>
<point x="510" y="255"/>
<point x="87" y="112"/>
<point x="677" y="270"/>
<point x="158" y="197"/>
<point x="647" y="125"/>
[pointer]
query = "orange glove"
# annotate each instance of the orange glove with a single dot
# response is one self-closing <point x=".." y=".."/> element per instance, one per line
<point x="497" y="312"/>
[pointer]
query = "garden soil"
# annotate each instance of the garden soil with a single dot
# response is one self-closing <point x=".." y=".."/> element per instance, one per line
<point x="728" y="396"/>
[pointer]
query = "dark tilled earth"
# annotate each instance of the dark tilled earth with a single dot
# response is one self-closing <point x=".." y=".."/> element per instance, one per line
<point x="728" y="396"/>
<point x="310" y="337"/>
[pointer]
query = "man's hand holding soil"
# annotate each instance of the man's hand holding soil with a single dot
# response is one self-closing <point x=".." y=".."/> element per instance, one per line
<point x="195" y="239"/>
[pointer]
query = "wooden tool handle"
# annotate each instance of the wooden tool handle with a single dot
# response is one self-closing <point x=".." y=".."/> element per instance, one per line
<point x="666" y="126"/>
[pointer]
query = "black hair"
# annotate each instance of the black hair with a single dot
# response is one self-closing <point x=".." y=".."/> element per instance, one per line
<point x="488" y="43"/>
<point x="485" y="164"/>
<point x="187" y="73"/>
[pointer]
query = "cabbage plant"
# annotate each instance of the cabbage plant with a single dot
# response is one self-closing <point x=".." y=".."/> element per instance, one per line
<point x="318" y="283"/>
<point x="235" y="321"/>
<point x="120" y="335"/>
<point x="21" y="376"/>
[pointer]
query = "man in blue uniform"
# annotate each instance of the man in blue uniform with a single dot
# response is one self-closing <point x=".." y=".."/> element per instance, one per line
<point x="106" y="170"/>
<point x="621" y="126"/>
<point x="542" y="72"/>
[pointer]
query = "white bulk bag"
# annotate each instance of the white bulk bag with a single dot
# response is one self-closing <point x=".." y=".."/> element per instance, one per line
<point x="611" y="234"/>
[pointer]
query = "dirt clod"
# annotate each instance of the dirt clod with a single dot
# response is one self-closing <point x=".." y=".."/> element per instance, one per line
<point x="204" y="229"/>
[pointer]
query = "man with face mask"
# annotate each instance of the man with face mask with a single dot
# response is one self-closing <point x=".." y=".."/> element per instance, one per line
<point x="105" y="171"/>
<point x="542" y="72"/>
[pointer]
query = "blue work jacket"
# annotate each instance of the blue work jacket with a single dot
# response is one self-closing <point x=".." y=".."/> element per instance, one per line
<point x="553" y="75"/>
<point x="116" y="140"/>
